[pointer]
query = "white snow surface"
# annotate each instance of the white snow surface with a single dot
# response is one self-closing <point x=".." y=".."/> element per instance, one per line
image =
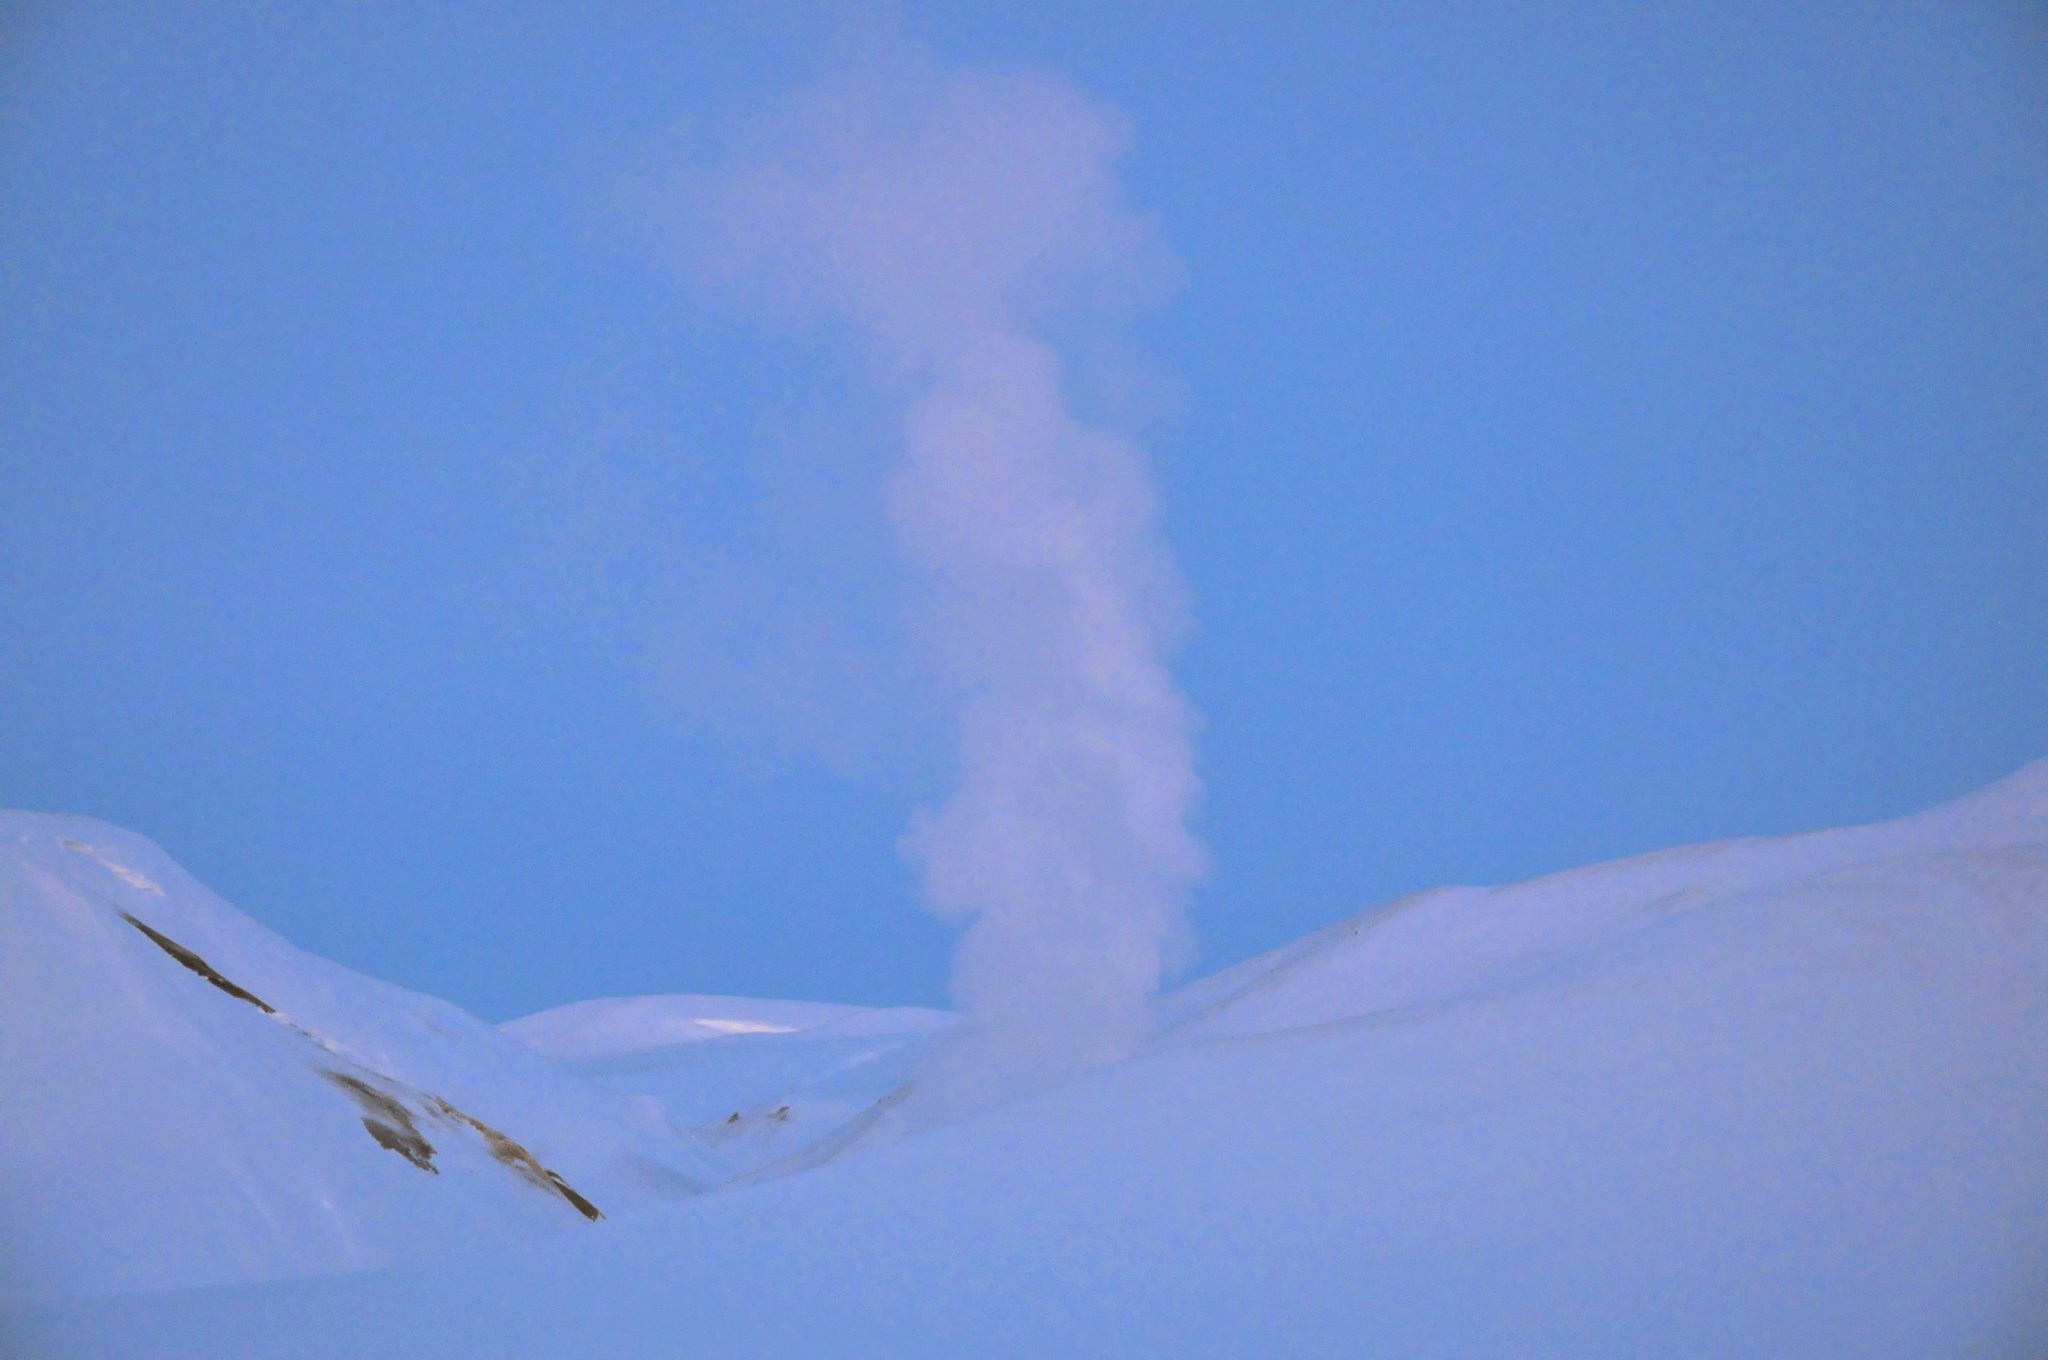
<point x="1772" y="1097"/>
<point x="618" y="1026"/>
<point x="159" y="1130"/>
<point x="764" y="1086"/>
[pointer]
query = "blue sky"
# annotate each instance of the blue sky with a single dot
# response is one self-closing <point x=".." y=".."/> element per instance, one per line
<point x="1582" y="429"/>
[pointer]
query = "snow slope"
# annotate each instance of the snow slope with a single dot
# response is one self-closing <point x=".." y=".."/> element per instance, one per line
<point x="1769" y="1098"/>
<point x="1436" y="946"/>
<point x="190" y="1099"/>
<point x="763" y="1085"/>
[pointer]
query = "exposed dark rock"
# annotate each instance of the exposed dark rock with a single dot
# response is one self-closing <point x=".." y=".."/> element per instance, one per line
<point x="200" y="966"/>
<point x="388" y="1120"/>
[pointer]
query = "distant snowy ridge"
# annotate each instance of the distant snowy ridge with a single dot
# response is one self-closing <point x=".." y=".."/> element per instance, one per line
<point x="615" y="1026"/>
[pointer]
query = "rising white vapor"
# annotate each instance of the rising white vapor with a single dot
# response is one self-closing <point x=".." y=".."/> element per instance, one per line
<point x="957" y="225"/>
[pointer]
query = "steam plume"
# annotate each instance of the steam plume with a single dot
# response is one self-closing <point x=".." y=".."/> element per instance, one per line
<point x="961" y="227"/>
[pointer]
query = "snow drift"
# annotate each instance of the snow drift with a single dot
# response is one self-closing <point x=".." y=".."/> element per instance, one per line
<point x="1771" y="1097"/>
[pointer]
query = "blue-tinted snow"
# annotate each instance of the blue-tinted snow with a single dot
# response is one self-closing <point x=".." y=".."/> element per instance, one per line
<point x="1784" y="1098"/>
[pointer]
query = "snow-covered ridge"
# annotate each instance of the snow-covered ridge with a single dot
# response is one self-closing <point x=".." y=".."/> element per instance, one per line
<point x="1776" y="1096"/>
<point x="1435" y="946"/>
<point x="192" y="1099"/>
<point x="615" y="1026"/>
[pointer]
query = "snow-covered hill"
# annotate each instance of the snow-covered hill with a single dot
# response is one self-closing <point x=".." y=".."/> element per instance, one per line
<point x="1776" y="1097"/>
<point x="1441" y="945"/>
<point x="189" y="1099"/>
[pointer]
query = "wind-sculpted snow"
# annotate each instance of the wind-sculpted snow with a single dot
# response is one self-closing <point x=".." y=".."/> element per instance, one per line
<point x="1770" y="1098"/>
